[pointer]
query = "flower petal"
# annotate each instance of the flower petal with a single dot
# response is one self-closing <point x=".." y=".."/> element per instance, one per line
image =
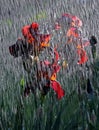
<point x="83" y="56"/>
<point x="58" y="89"/>
<point x="53" y="76"/>
<point x="56" y="68"/>
<point x="56" y="55"/>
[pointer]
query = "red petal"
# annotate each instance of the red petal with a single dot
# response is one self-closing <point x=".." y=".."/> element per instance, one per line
<point x="25" y="30"/>
<point x="83" y="60"/>
<point x="35" y="25"/>
<point x="45" y="37"/>
<point x="77" y="20"/>
<point x="87" y="43"/>
<point x="83" y="57"/>
<point x="56" y="55"/>
<point x="58" y="89"/>
<point x="66" y="15"/>
<point x="46" y="62"/>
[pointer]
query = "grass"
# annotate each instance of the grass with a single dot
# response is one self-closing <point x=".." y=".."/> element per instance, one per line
<point x="19" y="113"/>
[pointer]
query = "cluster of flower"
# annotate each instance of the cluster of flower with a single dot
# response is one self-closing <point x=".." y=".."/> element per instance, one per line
<point x="30" y="46"/>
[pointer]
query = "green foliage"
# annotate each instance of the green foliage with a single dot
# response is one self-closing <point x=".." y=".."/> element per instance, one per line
<point x="47" y="113"/>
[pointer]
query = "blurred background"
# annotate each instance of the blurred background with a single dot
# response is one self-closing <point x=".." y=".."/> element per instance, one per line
<point x="75" y="111"/>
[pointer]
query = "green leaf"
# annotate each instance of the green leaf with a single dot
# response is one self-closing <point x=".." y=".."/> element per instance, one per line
<point x="9" y="22"/>
<point x="22" y="82"/>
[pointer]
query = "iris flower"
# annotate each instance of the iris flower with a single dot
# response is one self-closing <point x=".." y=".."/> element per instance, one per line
<point x="54" y="69"/>
<point x="75" y="21"/>
<point x="32" y="35"/>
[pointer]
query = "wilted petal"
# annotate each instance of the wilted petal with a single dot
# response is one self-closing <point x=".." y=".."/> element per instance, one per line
<point x="56" y="68"/>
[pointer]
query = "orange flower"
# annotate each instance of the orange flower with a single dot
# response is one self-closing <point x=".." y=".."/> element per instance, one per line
<point x="75" y="21"/>
<point x="53" y="76"/>
<point x="73" y="32"/>
<point x="44" y="45"/>
<point x="26" y="33"/>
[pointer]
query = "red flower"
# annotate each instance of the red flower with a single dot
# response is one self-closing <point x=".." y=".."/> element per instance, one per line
<point x="25" y="30"/>
<point x="43" y="39"/>
<point x="35" y="25"/>
<point x="54" y="68"/>
<point x="82" y="55"/>
<point x="57" y="88"/>
<point x="76" y="21"/>
<point x="26" y="33"/>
